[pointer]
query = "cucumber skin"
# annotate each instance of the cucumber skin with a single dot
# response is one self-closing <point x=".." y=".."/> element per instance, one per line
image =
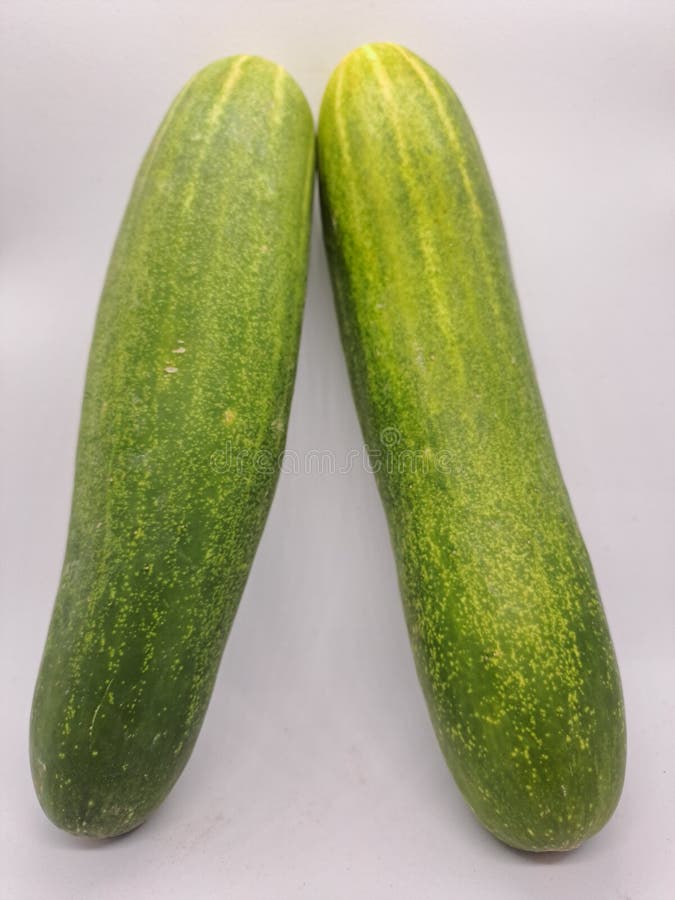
<point x="183" y="423"/>
<point x="509" y="636"/>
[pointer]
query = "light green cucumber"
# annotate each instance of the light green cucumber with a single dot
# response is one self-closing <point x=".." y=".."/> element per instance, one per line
<point x="508" y="632"/>
<point x="183" y="422"/>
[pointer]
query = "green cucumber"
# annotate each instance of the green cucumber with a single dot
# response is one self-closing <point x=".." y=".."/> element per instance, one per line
<point x="183" y="424"/>
<point x="508" y="632"/>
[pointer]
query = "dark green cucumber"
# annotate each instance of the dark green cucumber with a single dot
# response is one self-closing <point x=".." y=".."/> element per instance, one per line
<point x="183" y="423"/>
<point x="509" y="635"/>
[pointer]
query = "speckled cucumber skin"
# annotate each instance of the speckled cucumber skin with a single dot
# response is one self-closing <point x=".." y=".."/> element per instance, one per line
<point x="509" y="636"/>
<point x="183" y="422"/>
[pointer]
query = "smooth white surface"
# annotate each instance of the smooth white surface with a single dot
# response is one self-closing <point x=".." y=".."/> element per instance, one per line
<point x="317" y="773"/>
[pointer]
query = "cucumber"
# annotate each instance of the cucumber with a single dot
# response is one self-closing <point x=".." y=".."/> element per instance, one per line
<point x="183" y="424"/>
<point x="510" y="639"/>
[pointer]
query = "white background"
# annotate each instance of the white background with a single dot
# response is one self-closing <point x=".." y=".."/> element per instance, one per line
<point x="317" y="773"/>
